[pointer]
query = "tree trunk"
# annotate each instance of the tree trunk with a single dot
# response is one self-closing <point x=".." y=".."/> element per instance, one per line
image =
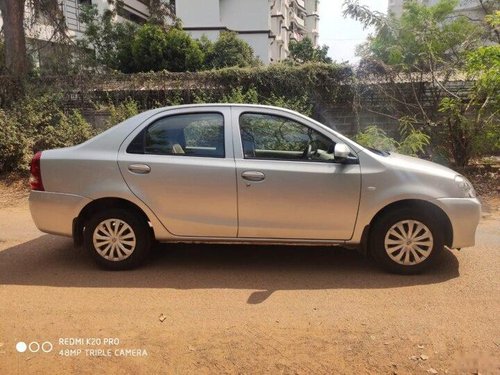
<point x="16" y="58"/>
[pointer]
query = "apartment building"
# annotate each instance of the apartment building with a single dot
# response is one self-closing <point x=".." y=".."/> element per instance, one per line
<point x="469" y="8"/>
<point x="131" y="10"/>
<point x="267" y="25"/>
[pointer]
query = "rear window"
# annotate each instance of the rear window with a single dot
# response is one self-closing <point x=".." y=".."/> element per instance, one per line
<point x="196" y="134"/>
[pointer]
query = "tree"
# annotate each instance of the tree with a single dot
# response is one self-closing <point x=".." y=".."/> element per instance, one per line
<point x="148" y="48"/>
<point x="154" y="49"/>
<point x="182" y="53"/>
<point x="229" y="50"/>
<point x="16" y="58"/>
<point x="304" y="51"/>
<point x="161" y="13"/>
<point x="13" y="15"/>
<point x="472" y="125"/>
<point x="108" y="43"/>
<point x="413" y="60"/>
<point x="2" y="58"/>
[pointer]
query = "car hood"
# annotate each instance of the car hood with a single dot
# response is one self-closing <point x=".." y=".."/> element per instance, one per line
<point x="418" y="165"/>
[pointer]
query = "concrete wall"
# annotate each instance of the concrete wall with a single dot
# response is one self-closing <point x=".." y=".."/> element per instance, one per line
<point x="199" y="13"/>
<point x="244" y="15"/>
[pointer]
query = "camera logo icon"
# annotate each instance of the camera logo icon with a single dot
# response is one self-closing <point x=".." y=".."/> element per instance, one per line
<point x="34" y="347"/>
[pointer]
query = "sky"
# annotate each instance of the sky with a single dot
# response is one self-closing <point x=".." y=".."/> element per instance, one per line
<point x="341" y="34"/>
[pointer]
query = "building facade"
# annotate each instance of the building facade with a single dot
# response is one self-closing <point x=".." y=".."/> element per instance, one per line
<point x="267" y="26"/>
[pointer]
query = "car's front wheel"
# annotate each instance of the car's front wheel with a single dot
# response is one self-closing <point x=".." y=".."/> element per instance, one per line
<point x="117" y="239"/>
<point x="405" y="241"/>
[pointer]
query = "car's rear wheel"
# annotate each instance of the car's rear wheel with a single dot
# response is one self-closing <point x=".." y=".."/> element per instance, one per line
<point x="406" y="241"/>
<point x="117" y="239"/>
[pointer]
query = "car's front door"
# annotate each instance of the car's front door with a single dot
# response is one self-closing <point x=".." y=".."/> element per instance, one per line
<point x="289" y="185"/>
<point x="181" y="165"/>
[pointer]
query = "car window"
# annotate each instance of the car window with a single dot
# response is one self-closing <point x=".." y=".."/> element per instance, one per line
<point x="266" y="136"/>
<point x="197" y="134"/>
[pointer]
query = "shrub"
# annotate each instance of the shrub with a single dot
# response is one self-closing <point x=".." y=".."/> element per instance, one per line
<point x="36" y="124"/>
<point x="121" y="112"/>
<point x="412" y="141"/>
<point x="229" y="50"/>
<point x="13" y="144"/>
<point x="182" y="53"/>
<point x="148" y="48"/>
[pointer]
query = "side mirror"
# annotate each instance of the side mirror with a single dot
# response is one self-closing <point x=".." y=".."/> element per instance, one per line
<point x="341" y="151"/>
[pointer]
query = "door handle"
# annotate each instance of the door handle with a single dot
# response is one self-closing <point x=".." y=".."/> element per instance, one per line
<point x="253" y="176"/>
<point x="139" y="168"/>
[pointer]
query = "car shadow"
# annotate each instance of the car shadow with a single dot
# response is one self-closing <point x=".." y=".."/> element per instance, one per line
<point x="52" y="261"/>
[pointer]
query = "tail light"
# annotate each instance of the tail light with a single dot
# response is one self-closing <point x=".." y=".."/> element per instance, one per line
<point x="36" y="173"/>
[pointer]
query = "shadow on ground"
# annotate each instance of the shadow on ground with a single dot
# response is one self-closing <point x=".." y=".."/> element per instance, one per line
<point x="52" y="261"/>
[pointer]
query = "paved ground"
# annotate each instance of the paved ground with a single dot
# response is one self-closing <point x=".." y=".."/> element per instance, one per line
<point x="243" y="309"/>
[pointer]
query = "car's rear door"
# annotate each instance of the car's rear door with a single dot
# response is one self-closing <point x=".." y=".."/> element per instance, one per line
<point x="181" y="164"/>
<point x="284" y="194"/>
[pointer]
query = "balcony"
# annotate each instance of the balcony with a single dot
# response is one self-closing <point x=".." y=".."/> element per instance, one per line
<point x="301" y="3"/>
<point x="299" y="21"/>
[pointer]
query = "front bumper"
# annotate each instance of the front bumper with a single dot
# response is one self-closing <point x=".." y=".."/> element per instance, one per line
<point x="54" y="212"/>
<point x="464" y="215"/>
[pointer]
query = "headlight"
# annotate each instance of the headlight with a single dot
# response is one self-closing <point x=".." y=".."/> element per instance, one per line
<point x="465" y="186"/>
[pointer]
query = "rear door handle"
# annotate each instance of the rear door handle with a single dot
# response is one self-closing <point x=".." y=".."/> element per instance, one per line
<point x="253" y="176"/>
<point x="139" y="168"/>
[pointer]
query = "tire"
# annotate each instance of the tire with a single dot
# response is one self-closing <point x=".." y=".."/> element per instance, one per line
<point x="127" y="250"/>
<point x="406" y="241"/>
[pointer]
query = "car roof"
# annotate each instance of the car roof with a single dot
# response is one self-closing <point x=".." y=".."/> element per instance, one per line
<point x="260" y="106"/>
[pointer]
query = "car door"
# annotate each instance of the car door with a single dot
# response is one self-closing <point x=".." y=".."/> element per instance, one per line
<point x="181" y="165"/>
<point x="289" y="185"/>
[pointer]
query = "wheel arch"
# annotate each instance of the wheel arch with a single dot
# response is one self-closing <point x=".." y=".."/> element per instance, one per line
<point x="417" y="204"/>
<point x="104" y="204"/>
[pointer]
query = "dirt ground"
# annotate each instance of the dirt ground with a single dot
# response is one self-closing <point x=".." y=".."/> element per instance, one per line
<point x="242" y="309"/>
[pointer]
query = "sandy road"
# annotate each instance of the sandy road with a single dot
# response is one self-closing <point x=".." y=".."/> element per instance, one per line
<point x="244" y="309"/>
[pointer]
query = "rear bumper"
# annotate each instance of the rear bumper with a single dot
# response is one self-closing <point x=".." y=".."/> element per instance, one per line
<point x="54" y="212"/>
<point x="464" y="215"/>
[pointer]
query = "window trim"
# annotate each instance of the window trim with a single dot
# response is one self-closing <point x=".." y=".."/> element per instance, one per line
<point x="284" y="159"/>
<point x="142" y="133"/>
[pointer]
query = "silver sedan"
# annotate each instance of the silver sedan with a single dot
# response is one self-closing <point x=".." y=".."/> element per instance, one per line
<point x="247" y="174"/>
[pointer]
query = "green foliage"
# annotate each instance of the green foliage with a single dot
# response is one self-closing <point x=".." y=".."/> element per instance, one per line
<point x="493" y="19"/>
<point x="374" y="137"/>
<point x="471" y="127"/>
<point x="300" y="104"/>
<point x="412" y="141"/>
<point x="424" y="38"/>
<point x="206" y="47"/>
<point x="121" y="112"/>
<point x="13" y="144"/>
<point x="108" y="43"/>
<point x="155" y="49"/>
<point x="304" y="51"/>
<point x="182" y="53"/>
<point x="35" y="124"/>
<point x="229" y="50"/>
<point x="428" y="47"/>
<point x="149" y="48"/>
